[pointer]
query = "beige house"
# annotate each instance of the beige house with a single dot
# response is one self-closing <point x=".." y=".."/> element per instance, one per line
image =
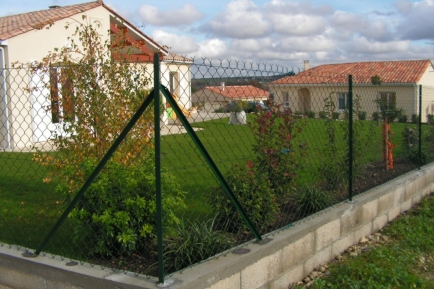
<point x="400" y="86"/>
<point x="223" y="94"/>
<point x="24" y="38"/>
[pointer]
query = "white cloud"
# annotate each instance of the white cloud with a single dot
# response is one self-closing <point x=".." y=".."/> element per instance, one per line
<point x="211" y="48"/>
<point x="418" y="19"/>
<point x="365" y="46"/>
<point x="185" y="15"/>
<point x="241" y="19"/>
<point x="298" y="24"/>
<point x="178" y="44"/>
<point x="308" y="44"/>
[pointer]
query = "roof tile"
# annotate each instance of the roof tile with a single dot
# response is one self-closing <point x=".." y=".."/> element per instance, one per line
<point x="11" y="26"/>
<point x="405" y="71"/>
<point x="239" y="91"/>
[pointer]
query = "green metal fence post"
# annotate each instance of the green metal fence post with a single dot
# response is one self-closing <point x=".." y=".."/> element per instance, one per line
<point x="420" y="128"/>
<point x="159" y="215"/>
<point x="350" y="137"/>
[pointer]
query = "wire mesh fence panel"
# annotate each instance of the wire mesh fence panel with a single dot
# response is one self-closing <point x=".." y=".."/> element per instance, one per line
<point x="278" y="137"/>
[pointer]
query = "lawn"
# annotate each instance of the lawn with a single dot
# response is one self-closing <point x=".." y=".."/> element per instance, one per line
<point x="30" y="207"/>
<point x="402" y="257"/>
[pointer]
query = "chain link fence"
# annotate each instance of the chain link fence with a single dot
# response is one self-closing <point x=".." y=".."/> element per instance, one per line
<point x="237" y="142"/>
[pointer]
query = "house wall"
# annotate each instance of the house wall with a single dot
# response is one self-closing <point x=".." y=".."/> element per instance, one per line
<point x="405" y="96"/>
<point x="33" y="46"/>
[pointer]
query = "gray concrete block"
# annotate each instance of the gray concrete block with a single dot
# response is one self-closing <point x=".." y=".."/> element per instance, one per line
<point x="363" y="231"/>
<point x="380" y="222"/>
<point x="343" y="244"/>
<point x="233" y="281"/>
<point x="260" y="272"/>
<point x="320" y="258"/>
<point x="327" y="234"/>
<point x="287" y="278"/>
<point x="297" y="251"/>
<point x="393" y="213"/>
<point x="386" y="202"/>
<point x="351" y="219"/>
<point x="406" y="206"/>
<point x="370" y="211"/>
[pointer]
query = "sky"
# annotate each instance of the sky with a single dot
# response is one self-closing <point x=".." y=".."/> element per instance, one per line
<point x="284" y="32"/>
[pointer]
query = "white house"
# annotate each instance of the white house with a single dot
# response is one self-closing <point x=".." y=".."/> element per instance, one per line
<point x="400" y="83"/>
<point x="25" y="39"/>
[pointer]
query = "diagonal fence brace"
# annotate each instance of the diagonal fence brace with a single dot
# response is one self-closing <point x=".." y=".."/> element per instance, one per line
<point x="210" y="162"/>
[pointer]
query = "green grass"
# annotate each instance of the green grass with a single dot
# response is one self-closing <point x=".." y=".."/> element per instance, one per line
<point x="405" y="260"/>
<point x="29" y="207"/>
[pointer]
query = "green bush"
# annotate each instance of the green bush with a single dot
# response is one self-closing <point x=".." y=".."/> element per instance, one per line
<point x="414" y="118"/>
<point x="194" y="241"/>
<point x="117" y="212"/>
<point x="310" y="114"/>
<point x="255" y="195"/>
<point x="375" y="116"/>
<point x="410" y="138"/>
<point x="336" y="115"/>
<point x="430" y="118"/>
<point x="323" y="114"/>
<point x="309" y="200"/>
<point x="362" y="115"/>
<point x="402" y="118"/>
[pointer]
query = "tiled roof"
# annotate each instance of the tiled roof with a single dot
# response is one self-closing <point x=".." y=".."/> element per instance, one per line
<point x="14" y="25"/>
<point x="405" y="71"/>
<point x="239" y="91"/>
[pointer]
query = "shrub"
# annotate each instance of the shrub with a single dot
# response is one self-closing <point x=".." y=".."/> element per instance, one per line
<point x="410" y="139"/>
<point x="255" y="195"/>
<point x="430" y="118"/>
<point x="277" y="150"/>
<point x="309" y="200"/>
<point x="310" y="114"/>
<point x="117" y="212"/>
<point x="375" y="116"/>
<point x="194" y="241"/>
<point x="402" y="118"/>
<point x="361" y="115"/>
<point x="414" y="118"/>
<point x="322" y="114"/>
<point x="336" y="115"/>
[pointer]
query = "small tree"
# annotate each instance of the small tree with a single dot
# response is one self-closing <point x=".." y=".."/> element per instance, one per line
<point x="93" y="97"/>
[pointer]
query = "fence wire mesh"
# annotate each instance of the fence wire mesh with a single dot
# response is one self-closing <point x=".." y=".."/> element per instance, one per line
<point x="280" y="140"/>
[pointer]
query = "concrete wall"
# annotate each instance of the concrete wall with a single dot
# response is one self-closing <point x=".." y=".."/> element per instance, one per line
<point x="290" y="256"/>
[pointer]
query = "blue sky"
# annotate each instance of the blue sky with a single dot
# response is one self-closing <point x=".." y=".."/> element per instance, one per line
<point x="277" y="31"/>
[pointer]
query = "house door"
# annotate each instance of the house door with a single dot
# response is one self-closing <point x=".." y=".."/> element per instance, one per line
<point x="45" y="110"/>
<point x="304" y="101"/>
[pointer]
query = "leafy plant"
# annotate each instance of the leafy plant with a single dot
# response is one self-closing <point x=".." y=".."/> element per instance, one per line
<point x="332" y="166"/>
<point x="255" y="195"/>
<point x="361" y="115"/>
<point x="410" y="142"/>
<point x="194" y="241"/>
<point x="402" y="118"/>
<point x="430" y="118"/>
<point x="322" y="114"/>
<point x="375" y="116"/>
<point x="414" y="118"/>
<point x="277" y="150"/>
<point x="310" y="199"/>
<point x="117" y="212"/>
<point x="310" y="114"/>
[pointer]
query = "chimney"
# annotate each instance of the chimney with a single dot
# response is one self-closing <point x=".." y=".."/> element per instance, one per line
<point x="223" y="86"/>
<point x="54" y="6"/>
<point x="306" y="65"/>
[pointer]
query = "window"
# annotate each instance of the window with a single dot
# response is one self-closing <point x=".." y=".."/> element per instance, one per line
<point x="286" y="98"/>
<point x="174" y="83"/>
<point x="61" y="92"/>
<point x="342" y="100"/>
<point x="387" y="100"/>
